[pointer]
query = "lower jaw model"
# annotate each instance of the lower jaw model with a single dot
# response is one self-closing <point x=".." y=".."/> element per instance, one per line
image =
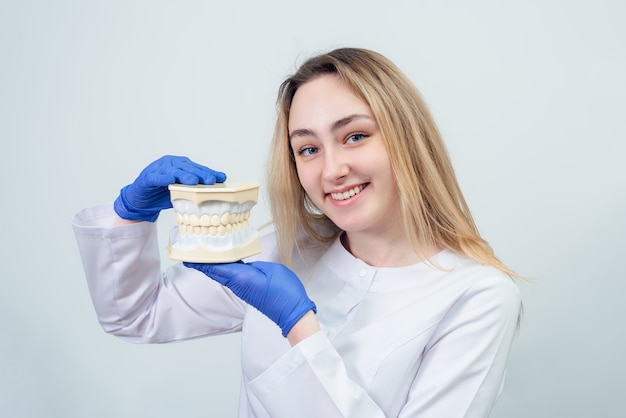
<point x="213" y="222"/>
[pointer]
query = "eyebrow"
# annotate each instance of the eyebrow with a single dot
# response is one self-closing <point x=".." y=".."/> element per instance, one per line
<point x="336" y="126"/>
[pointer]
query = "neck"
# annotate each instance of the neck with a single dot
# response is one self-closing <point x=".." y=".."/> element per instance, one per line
<point x="389" y="250"/>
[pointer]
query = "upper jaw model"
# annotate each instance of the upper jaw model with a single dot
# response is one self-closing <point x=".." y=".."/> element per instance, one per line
<point x="213" y="222"/>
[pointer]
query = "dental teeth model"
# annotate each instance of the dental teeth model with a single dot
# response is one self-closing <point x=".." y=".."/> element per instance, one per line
<point x="213" y="222"/>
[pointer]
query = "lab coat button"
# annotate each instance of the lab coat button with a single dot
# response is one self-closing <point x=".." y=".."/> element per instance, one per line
<point x="362" y="272"/>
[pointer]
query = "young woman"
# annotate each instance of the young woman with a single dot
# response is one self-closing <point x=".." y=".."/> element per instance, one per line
<point x="376" y="296"/>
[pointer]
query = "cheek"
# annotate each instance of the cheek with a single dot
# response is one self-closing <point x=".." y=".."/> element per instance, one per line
<point x="309" y="177"/>
<point x="379" y="161"/>
<point x="304" y="175"/>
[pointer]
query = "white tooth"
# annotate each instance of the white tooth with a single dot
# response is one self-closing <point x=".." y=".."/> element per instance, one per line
<point x="224" y="218"/>
<point x="194" y="219"/>
<point x="221" y="230"/>
<point x="213" y="231"/>
<point x="179" y="218"/>
<point x="204" y="230"/>
<point x="232" y="218"/>
<point x="205" y="220"/>
<point x="347" y="194"/>
<point x="246" y="215"/>
<point x="197" y="229"/>
<point x="229" y="228"/>
<point x="215" y="220"/>
<point x="186" y="218"/>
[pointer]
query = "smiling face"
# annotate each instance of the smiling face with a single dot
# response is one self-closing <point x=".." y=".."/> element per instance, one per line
<point x="341" y="159"/>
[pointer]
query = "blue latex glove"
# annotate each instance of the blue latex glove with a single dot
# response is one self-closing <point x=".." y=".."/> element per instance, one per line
<point x="148" y="195"/>
<point x="270" y="287"/>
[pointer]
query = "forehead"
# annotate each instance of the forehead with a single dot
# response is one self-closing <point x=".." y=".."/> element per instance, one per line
<point x="324" y="100"/>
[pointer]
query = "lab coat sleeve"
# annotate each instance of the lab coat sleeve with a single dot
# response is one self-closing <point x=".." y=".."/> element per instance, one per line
<point x="133" y="298"/>
<point x="311" y="381"/>
<point x="461" y="372"/>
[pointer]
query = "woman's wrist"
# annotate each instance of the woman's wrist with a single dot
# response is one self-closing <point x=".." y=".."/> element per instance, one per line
<point x="304" y="328"/>
<point x="121" y="221"/>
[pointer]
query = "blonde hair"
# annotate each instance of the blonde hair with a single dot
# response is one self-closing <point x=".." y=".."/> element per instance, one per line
<point x="431" y="201"/>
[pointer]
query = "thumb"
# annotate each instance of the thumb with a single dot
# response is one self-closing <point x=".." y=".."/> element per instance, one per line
<point x="266" y="267"/>
<point x="221" y="273"/>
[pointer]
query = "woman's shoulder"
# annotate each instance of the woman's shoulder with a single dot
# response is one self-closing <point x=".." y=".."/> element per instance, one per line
<point x="476" y="278"/>
<point x="475" y="271"/>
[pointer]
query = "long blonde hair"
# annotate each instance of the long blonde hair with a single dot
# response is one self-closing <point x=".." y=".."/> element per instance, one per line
<point x="431" y="201"/>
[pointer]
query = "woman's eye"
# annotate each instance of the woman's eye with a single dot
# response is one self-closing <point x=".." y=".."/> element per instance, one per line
<point x="307" y="151"/>
<point x="356" y="137"/>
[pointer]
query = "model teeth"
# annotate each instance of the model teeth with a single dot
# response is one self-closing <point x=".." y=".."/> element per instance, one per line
<point x="208" y="224"/>
<point x="212" y="222"/>
<point x="213" y="219"/>
<point x="348" y="193"/>
<point x="227" y="223"/>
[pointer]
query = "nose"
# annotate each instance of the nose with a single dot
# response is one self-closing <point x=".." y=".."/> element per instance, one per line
<point x="336" y="166"/>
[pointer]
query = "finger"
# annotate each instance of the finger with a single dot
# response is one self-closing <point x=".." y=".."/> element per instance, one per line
<point x="265" y="267"/>
<point x="226" y="272"/>
<point x="208" y="176"/>
<point x="185" y="177"/>
<point x="260" y="265"/>
<point x="219" y="176"/>
<point x="159" y="179"/>
<point x="207" y="269"/>
<point x="205" y="174"/>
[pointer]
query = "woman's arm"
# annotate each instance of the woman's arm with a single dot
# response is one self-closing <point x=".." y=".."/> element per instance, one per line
<point x="304" y="328"/>
<point x="133" y="298"/>
<point x="457" y="372"/>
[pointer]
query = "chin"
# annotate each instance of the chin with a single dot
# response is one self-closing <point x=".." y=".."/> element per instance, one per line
<point x="349" y="225"/>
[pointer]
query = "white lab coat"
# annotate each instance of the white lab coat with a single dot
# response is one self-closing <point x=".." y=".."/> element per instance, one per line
<point x="412" y="341"/>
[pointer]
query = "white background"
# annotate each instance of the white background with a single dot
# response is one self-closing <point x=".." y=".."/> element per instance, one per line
<point x="531" y="100"/>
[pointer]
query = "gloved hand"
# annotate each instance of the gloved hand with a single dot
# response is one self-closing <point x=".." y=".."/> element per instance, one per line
<point x="145" y="198"/>
<point x="270" y="287"/>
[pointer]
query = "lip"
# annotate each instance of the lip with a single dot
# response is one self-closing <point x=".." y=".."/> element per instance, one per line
<point x="329" y="196"/>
